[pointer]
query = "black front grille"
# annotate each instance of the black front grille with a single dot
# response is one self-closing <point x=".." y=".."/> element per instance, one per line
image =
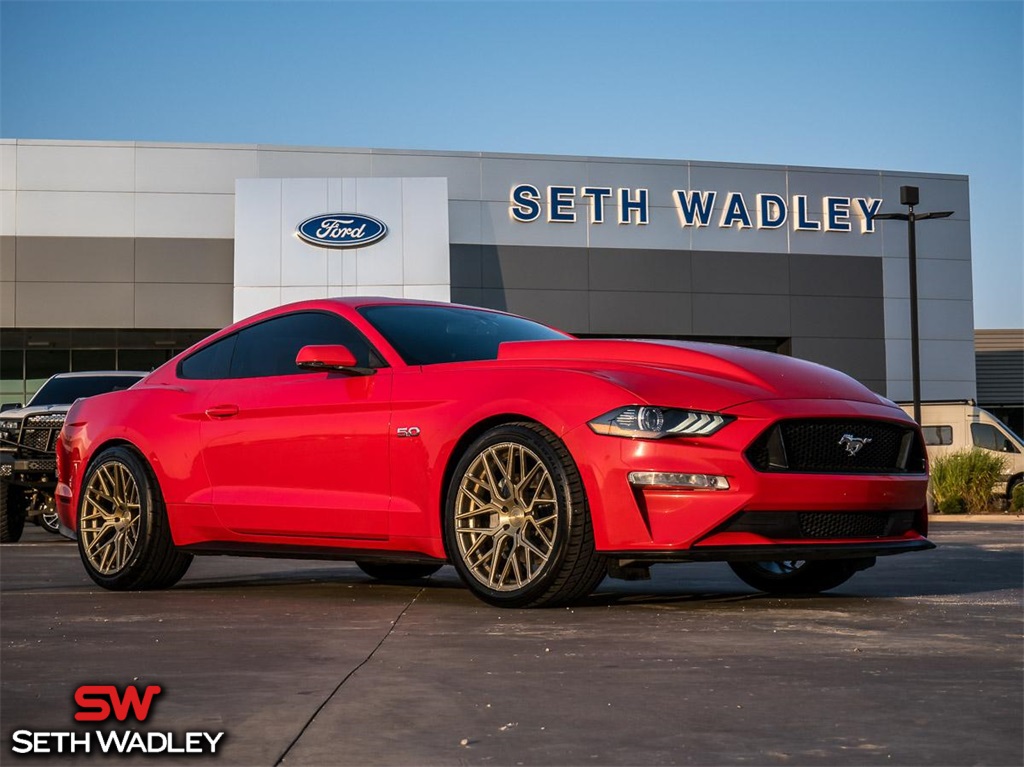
<point x="37" y="439"/>
<point x="832" y="446"/>
<point x="820" y="525"/>
<point x="40" y="432"/>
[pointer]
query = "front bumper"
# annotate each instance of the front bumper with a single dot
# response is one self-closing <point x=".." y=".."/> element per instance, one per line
<point x="679" y="524"/>
<point x="37" y="472"/>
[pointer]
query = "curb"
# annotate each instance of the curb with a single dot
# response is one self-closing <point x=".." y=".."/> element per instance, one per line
<point x="992" y="518"/>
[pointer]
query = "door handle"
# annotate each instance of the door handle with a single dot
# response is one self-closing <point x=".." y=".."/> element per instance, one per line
<point x="222" y="411"/>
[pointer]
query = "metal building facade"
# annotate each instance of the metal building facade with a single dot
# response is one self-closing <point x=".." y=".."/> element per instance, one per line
<point x="130" y="250"/>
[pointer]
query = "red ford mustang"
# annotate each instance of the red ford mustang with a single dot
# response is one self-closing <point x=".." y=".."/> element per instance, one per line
<point x="404" y="435"/>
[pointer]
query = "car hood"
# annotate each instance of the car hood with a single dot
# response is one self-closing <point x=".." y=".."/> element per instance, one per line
<point x="23" y="412"/>
<point x="710" y="376"/>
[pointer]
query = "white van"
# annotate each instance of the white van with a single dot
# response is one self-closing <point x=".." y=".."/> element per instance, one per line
<point x="952" y="426"/>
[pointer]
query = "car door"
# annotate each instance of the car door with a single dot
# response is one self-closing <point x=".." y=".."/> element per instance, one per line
<point x="298" y="454"/>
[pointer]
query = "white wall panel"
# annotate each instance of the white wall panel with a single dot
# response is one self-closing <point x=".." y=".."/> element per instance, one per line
<point x="288" y="164"/>
<point x="381" y="263"/>
<point x="257" y="235"/>
<point x="428" y="292"/>
<point x="8" y="212"/>
<point x="462" y="173"/>
<point x="250" y="301"/>
<point x="75" y="214"/>
<point x="184" y="215"/>
<point x="76" y="168"/>
<point x="425" y="232"/>
<point x="291" y="294"/>
<point x="269" y="255"/>
<point x="8" y="164"/>
<point x="383" y="291"/>
<point x="302" y="263"/>
<point x="181" y="169"/>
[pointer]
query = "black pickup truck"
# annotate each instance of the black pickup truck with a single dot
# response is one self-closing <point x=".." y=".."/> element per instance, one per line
<point x="28" y="436"/>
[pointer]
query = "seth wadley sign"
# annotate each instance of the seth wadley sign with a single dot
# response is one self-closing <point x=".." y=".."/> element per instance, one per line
<point x="695" y="208"/>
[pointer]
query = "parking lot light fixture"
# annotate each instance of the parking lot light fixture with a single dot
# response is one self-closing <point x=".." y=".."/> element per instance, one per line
<point x="910" y="196"/>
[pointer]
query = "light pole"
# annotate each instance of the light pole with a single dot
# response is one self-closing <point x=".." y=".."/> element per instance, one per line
<point x="910" y="196"/>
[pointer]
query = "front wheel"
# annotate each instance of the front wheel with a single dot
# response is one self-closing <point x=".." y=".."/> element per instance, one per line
<point x="123" y="534"/>
<point x="516" y="524"/>
<point x="796" y="576"/>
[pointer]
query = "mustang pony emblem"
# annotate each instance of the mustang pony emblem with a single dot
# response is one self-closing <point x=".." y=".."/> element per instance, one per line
<point x="853" y="444"/>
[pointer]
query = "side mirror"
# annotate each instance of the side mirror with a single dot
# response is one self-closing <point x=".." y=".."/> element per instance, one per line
<point x="9" y="406"/>
<point x="329" y="357"/>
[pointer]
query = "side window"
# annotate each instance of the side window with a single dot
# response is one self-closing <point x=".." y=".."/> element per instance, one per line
<point x="938" y="435"/>
<point x="269" y="348"/>
<point x="209" y="363"/>
<point x="989" y="437"/>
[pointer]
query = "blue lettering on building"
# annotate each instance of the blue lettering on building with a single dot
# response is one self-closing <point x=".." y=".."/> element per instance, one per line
<point x="694" y="207"/>
<point x="628" y="205"/>
<point x="597" y="195"/>
<point x="735" y="212"/>
<point x="771" y="211"/>
<point x="525" y="205"/>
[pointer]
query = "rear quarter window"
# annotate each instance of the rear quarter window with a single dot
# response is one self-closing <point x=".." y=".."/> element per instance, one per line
<point x="209" y="363"/>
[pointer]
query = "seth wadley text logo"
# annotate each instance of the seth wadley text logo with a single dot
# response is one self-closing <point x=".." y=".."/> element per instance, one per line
<point x="103" y="702"/>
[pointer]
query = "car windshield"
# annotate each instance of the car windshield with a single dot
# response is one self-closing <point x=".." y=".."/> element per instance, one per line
<point x="64" y="391"/>
<point x="428" y="335"/>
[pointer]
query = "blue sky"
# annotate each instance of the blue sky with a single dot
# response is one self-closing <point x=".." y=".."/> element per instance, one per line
<point x="914" y="86"/>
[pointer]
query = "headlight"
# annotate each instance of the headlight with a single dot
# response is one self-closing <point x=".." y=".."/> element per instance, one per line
<point x="647" y="422"/>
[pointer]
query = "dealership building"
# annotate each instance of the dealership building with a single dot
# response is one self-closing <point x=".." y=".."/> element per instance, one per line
<point x="119" y="254"/>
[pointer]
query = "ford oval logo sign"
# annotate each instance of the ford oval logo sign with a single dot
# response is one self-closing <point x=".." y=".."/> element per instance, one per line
<point x="342" y="230"/>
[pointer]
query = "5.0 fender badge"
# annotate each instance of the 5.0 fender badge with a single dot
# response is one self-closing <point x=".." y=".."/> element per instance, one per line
<point x="408" y="431"/>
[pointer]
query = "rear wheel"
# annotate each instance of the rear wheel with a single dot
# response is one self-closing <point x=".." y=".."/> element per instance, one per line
<point x="44" y="510"/>
<point x="123" y="535"/>
<point x="393" y="571"/>
<point x="12" y="513"/>
<point x="517" y="526"/>
<point x="796" y="576"/>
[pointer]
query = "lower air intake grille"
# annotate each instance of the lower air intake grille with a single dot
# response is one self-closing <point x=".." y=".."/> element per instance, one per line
<point x="840" y="525"/>
<point x="821" y="525"/>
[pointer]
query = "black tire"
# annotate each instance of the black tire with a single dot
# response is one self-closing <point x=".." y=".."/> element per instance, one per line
<point x="796" y="577"/>
<point x="571" y="568"/>
<point x="394" y="571"/>
<point x="1011" y="486"/>
<point x="12" y="513"/>
<point x="150" y="560"/>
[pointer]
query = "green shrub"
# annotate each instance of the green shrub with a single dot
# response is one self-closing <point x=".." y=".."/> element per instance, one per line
<point x="951" y="505"/>
<point x="967" y="476"/>
<point x="1017" y="501"/>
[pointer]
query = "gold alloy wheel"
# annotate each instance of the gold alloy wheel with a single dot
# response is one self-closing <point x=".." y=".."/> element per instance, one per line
<point x="506" y="516"/>
<point x="110" y="521"/>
